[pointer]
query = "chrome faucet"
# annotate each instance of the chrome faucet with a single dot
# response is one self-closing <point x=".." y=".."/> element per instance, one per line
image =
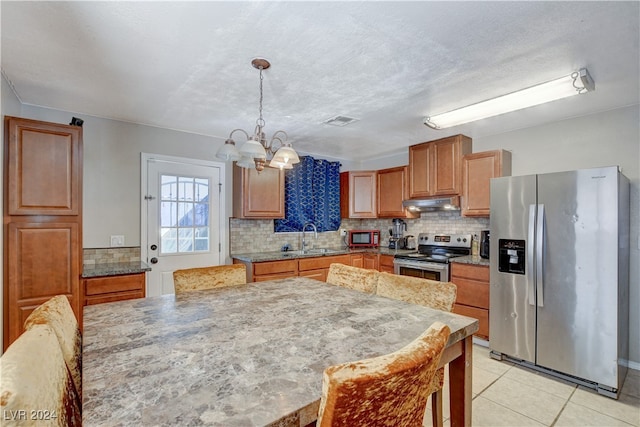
<point x="315" y="233"/>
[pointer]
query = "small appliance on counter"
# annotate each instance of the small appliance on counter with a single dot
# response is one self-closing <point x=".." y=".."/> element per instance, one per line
<point x="410" y="242"/>
<point x="363" y="238"/>
<point x="393" y="242"/>
<point x="397" y="241"/>
<point x="484" y="244"/>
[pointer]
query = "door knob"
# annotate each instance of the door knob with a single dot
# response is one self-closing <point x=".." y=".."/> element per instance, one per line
<point x="154" y="247"/>
<point x="154" y="260"/>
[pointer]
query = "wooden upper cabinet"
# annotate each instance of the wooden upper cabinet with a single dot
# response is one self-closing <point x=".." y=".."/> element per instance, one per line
<point x="420" y="170"/>
<point x="258" y="195"/>
<point x="435" y="167"/>
<point x="358" y="194"/>
<point x="478" y="169"/>
<point x="44" y="162"/>
<point x="393" y="188"/>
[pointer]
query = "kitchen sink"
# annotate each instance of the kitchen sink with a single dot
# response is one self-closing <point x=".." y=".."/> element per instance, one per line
<point x="317" y="251"/>
<point x="321" y="251"/>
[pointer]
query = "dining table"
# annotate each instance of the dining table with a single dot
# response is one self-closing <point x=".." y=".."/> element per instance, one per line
<point x="248" y="355"/>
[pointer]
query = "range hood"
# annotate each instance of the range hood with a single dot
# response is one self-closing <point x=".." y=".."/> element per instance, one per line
<point x="430" y="205"/>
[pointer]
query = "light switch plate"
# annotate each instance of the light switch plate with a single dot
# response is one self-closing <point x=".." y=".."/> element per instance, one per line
<point x="117" y="240"/>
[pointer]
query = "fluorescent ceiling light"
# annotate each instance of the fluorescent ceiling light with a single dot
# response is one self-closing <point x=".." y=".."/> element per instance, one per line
<point x="575" y="83"/>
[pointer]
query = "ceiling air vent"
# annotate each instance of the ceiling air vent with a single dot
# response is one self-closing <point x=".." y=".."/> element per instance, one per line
<point x="340" y="121"/>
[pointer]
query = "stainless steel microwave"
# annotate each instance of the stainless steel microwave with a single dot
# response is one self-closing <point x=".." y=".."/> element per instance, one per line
<point x="363" y="238"/>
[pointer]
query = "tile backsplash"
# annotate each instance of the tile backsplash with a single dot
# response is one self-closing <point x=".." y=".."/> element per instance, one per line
<point x="110" y="255"/>
<point x="254" y="235"/>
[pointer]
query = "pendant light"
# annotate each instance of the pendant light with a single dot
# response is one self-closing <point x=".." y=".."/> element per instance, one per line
<point x="256" y="150"/>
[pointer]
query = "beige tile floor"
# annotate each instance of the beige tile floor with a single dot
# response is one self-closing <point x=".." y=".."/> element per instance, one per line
<point x="505" y="394"/>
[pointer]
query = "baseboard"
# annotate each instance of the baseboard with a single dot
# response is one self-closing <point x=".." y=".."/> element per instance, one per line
<point x="631" y="365"/>
<point x="628" y="363"/>
<point x="480" y="341"/>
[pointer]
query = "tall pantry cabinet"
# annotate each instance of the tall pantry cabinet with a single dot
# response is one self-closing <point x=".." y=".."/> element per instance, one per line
<point x="42" y="218"/>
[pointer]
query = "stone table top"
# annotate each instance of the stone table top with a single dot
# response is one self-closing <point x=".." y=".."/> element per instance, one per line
<point x="248" y="355"/>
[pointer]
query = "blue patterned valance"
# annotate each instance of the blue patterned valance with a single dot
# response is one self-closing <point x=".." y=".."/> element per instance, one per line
<point x="312" y="194"/>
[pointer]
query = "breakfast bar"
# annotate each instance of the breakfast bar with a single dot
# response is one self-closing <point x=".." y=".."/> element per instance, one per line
<point x="248" y="355"/>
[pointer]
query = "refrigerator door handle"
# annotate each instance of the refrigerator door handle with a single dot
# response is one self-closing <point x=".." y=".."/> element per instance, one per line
<point x="531" y="292"/>
<point x="539" y="256"/>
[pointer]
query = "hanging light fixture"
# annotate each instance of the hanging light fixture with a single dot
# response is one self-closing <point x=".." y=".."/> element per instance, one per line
<point x="576" y="83"/>
<point x="256" y="149"/>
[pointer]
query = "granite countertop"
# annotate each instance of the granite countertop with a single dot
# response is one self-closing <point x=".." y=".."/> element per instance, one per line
<point x="113" y="269"/>
<point x="279" y="256"/>
<point x="470" y="259"/>
<point x="249" y="355"/>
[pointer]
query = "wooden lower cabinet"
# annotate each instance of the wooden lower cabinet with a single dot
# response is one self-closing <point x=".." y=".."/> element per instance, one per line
<point x="370" y="261"/>
<point x="319" y="274"/>
<point x="271" y="270"/>
<point x="357" y="260"/>
<point x="41" y="261"/>
<point x="365" y="260"/>
<point x="385" y="263"/>
<point x="98" y="290"/>
<point x="318" y="267"/>
<point x="315" y="267"/>
<point x="473" y="293"/>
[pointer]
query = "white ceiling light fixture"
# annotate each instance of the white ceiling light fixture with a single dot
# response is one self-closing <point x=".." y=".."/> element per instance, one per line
<point x="575" y="83"/>
<point x="255" y="150"/>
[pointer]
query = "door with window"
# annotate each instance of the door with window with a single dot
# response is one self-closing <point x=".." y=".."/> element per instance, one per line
<point x="183" y="218"/>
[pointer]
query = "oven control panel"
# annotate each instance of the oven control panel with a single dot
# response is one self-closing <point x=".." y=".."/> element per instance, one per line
<point x="457" y="240"/>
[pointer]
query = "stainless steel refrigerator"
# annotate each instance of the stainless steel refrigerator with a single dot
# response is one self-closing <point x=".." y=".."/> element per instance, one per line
<point x="559" y="256"/>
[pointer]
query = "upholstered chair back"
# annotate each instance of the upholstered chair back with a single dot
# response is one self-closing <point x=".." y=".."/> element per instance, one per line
<point x="360" y="279"/>
<point x="58" y="314"/>
<point x="219" y="276"/>
<point x="35" y="386"/>
<point x="430" y="293"/>
<point x="388" y="390"/>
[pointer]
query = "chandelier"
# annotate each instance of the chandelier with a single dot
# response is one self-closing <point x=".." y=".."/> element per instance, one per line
<point x="255" y="151"/>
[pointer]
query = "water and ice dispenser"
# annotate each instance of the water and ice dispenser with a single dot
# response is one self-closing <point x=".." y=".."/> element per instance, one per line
<point x="511" y="256"/>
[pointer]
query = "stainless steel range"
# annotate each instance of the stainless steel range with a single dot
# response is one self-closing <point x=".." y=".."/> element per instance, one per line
<point x="432" y="259"/>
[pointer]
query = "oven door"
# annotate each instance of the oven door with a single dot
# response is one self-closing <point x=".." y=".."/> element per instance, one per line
<point x="424" y="270"/>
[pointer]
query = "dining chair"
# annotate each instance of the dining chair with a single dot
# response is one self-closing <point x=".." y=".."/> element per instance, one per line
<point x="360" y="279"/>
<point x="387" y="390"/>
<point x="219" y="276"/>
<point x="430" y="293"/>
<point x="35" y="385"/>
<point x="58" y="314"/>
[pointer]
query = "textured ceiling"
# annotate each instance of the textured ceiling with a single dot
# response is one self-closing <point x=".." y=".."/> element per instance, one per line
<point x="186" y="65"/>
